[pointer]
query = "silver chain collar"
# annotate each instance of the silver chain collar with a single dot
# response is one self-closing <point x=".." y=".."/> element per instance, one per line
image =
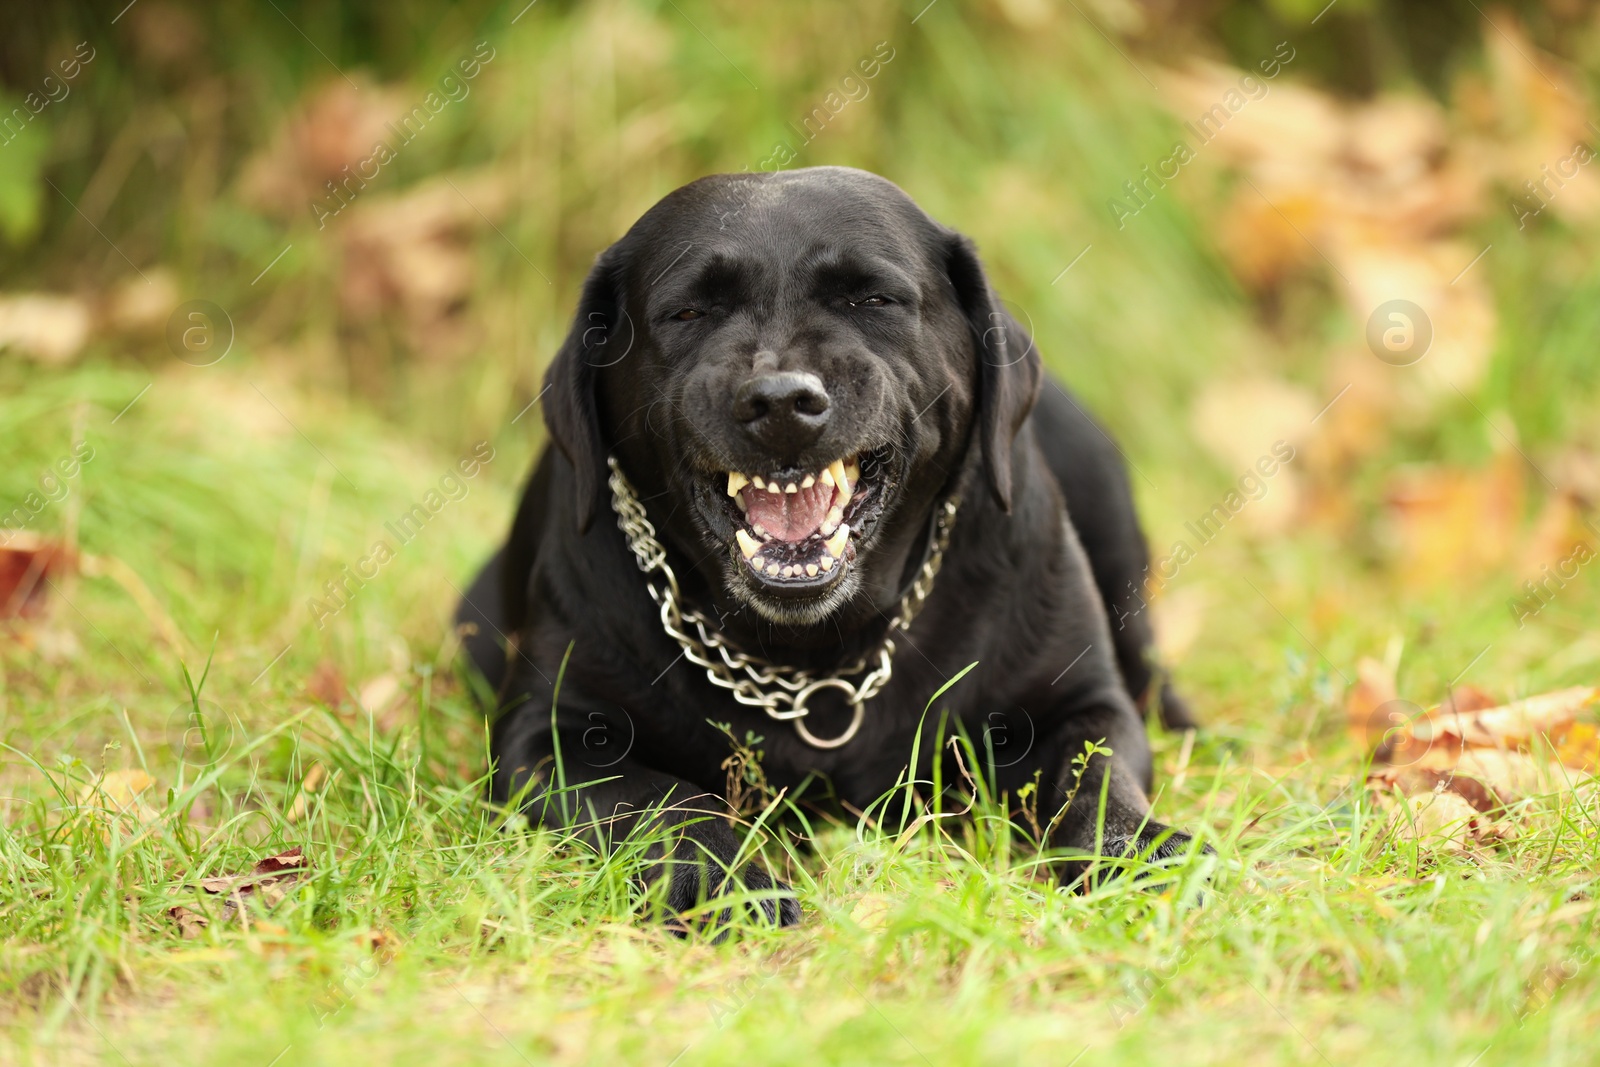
<point x="783" y="692"/>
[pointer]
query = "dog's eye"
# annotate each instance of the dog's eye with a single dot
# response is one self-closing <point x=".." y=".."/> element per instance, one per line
<point x="688" y="314"/>
<point x="871" y="302"/>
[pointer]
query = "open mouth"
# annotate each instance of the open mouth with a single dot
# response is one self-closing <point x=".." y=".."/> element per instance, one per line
<point x="796" y="531"/>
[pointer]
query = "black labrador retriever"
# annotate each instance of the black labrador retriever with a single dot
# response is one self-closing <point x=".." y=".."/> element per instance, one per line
<point x="839" y="475"/>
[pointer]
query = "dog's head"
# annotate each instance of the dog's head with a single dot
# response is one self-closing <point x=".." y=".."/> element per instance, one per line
<point x="790" y="368"/>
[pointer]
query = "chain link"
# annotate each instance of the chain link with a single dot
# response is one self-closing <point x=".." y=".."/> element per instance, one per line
<point x="779" y="690"/>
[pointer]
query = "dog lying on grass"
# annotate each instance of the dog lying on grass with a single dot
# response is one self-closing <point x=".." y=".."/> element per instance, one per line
<point x="807" y="468"/>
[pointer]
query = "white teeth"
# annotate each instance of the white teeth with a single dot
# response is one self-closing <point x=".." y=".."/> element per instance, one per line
<point x="826" y="478"/>
<point x="808" y="482"/>
<point x="736" y="482"/>
<point x="835" y="544"/>
<point x="841" y="481"/>
<point x="761" y="531"/>
<point x="811" y="570"/>
<point x="759" y="562"/>
<point x="772" y="487"/>
<point x="827" y="562"/>
<point x="791" y="488"/>
<point x="853" y="471"/>
<point x="772" y="570"/>
<point x="748" y="545"/>
<point x="742" y="505"/>
<point x="831" y="523"/>
<point x="788" y="572"/>
<point x="759" y="483"/>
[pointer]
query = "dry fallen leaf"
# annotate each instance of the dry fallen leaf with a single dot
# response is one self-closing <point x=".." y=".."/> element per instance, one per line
<point x="27" y="564"/>
<point x="1511" y="725"/>
<point x="377" y="694"/>
<point x="1486" y="757"/>
<point x="47" y="327"/>
<point x="120" y="788"/>
<point x="326" y="685"/>
<point x="1439" y="818"/>
<point x="1580" y="748"/>
<point x="118" y="801"/>
<point x="191" y="924"/>
<point x="871" y="911"/>
<point x="309" y="785"/>
<point x="1364" y="704"/>
<point x="269" y="881"/>
<point x="1452" y="522"/>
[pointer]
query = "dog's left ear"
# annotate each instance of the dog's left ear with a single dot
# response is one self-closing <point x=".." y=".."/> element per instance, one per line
<point x="571" y="414"/>
<point x="1010" y="371"/>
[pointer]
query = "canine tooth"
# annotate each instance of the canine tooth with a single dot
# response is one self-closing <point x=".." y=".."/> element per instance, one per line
<point x="791" y="488"/>
<point x="826" y="477"/>
<point x="808" y="482"/>
<point x="842" y="482"/>
<point x="835" y="543"/>
<point x="736" y="482"/>
<point x="772" y="487"/>
<point x="827" y="562"/>
<point x="835" y="517"/>
<point x="811" y="570"/>
<point x="759" y="483"/>
<point x="742" y="505"/>
<point x="772" y="570"/>
<point x="747" y="544"/>
<point x="853" y="470"/>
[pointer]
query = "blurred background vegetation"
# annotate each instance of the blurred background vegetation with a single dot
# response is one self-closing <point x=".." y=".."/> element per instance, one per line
<point x="193" y="155"/>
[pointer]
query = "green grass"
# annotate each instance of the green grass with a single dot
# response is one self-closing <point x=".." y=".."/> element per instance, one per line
<point x="430" y="931"/>
<point x="1323" y="933"/>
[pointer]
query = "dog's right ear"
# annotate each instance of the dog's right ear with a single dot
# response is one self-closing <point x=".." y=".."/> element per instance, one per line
<point x="600" y="336"/>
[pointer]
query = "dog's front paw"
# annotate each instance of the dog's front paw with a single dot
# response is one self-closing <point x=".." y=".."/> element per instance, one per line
<point x="1154" y="845"/>
<point x="695" y="886"/>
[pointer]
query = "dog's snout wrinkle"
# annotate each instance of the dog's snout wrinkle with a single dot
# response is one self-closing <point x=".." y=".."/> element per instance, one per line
<point x="784" y="411"/>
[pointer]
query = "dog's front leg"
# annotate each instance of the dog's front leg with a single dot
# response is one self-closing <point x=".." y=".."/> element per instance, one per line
<point x="1090" y="781"/>
<point x="688" y="838"/>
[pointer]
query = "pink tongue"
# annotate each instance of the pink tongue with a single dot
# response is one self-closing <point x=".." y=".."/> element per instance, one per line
<point x="788" y="516"/>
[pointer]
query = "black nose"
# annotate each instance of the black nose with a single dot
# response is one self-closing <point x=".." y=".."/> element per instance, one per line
<point x="784" y="411"/>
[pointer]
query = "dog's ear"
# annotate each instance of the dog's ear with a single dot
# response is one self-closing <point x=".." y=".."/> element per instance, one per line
<point x="1010" y="371"/>
<point x="598" y="338"/>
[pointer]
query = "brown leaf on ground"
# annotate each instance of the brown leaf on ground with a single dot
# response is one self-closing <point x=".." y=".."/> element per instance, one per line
<point x="119" y="802"/>
<point x="326" y="685"/>
<point x="1451" y="522"/>
<point x="268" y="882"/>
<point x="309" y="785"/>
<point x="191" y="924"/>
<point x="1418" y="779"/>
<point x="1443" y="818"/>
<point x="325" y="140"/>
<point x="44" y="326"/>
<point x="1468" y="698"/>
<point x="1560" y="545"/>
<point x="1580" y="748"/>
<point x="120" y="789"/>
<point x="1514" y="725"/>
<point x="1485" y="755"/>
<point x="408" y="269"/>
<point x="27" y="563"/>
<point x="378" y="693"/>
<point x="1374" y="688"/>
